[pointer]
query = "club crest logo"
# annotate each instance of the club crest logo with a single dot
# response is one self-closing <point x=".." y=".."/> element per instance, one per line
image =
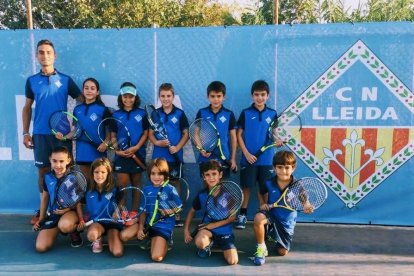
<point x="357" y="124"/>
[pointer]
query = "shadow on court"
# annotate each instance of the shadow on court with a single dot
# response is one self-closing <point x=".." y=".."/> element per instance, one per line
<point x="317" y="249"/>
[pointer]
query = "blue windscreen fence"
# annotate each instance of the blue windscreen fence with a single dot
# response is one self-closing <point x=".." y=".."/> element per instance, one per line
<point x="352" y="85"/>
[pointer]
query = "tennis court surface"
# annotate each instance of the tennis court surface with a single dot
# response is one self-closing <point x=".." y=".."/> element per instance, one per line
<point x="317" y="249"/>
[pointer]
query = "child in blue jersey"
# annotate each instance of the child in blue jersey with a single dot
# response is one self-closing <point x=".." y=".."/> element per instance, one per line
<point x="220" y="233"/>
<point x="160" y="233"/>
<point x="100" y="190"/>
<point x="176" y="125"/>
<point x="134" y="118"/>
<point x="251" y="136"/>
<point x="89" y="114"/>
<point x="52" y="220"/>
<point x="225" y="122"/>
<point x="276" y="224"/>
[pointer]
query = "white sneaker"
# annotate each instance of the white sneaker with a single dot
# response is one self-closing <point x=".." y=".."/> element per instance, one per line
<point x="97" y="246"/>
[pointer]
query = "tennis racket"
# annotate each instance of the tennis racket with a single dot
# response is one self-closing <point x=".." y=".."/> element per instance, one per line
<point x="165" y="207"/>
<point x="307" y="192"/>
<point x="206" y="138"/>
<point x="223" y="201"/>
<point x="123" y="137"/>
<point x="69" y="191"/>
<point x="286" y="127"/>
<point x="124" y="207"/>
<point x="183" y="189"/>
<point x="69" y="127"/>
<point x="157" y="124"/>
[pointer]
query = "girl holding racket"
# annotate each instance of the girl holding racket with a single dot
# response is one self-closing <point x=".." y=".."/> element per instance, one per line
<point x="153" y="223"/>
<point x="218" y="232"/>
<point x="89" y="114"/>
<point x="100" y="192"/>
<point x="276" y="224"/>
<point x="134" y="119"/>
<point x="53" y="220"/>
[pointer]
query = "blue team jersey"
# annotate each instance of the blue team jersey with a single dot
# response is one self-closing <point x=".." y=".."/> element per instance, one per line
<point x="89" y="117"/>
<point x="50" y="94"/>
<point x="199" y="204"/>
<point x="224" y="120"/>
<point x="168" y="193"/>
<point x="255" y="124"/>
<point x="136" y="122"/>
<point x="96" y="202"/>
<point x="287" y="218"/>
<point x="50" y="183"/>
<point x="174" y="122"/>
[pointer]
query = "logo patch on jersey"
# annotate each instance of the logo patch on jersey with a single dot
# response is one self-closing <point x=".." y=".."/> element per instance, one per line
<point x="93" y="117"/>
<point x="174" y="120"/>
<point x="58" y="83"/>
<point x="108" y="196"/>
<point x="268" y="120"/>
<point x="163" y="196"/>
<point x="138" y="118"/>
<point x="222" y="119"/>
<point x="254" y="117"/>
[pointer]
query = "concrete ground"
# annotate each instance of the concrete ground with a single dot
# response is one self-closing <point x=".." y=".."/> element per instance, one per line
<point x="317" y="249"/>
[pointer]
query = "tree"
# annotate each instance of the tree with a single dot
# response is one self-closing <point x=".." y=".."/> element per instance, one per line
<point x="330" y="11"/>
<point x="56" y="14"/>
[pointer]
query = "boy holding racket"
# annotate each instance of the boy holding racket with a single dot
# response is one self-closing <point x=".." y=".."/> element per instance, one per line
<point x="50" y="90"/>
<point x="53" y="220"/>
<point x="219" y="232"/>
<point x="276" y="224"/>
<point x="176" y="124"/>
<point x="252" y="131"/>
<point x="225" y="122"/>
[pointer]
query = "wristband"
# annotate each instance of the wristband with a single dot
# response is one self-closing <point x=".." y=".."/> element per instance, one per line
<point x="26" y="134"/>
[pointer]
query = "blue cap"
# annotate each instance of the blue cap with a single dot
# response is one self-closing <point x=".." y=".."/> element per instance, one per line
<point x="128" y="90"/>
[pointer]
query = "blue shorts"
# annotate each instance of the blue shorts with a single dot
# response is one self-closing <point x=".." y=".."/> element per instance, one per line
<point x="51" y="221"/>
<point x="250" y="174"/>
<point x="224" y="242"/>
<point x="126" y="165"/>
<point x="176" y="170"/>
<point x="109" y="226"/>
<point x="275" y="232"/>
<point x="166" y="235"/>
<point x="43" y="146"/>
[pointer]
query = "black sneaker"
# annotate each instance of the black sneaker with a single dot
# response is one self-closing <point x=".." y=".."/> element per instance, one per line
<point x="76" y="239"/>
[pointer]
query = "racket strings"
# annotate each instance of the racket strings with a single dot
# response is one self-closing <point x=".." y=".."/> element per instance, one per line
<point x="224" y="201"/>
<point x="203" y="135"/>
<point x="71" y="189"/>
<point x="168" y="207"/>
<point x="128" y="204"/>
<point x="306" y="190"/>
<point x="61" y="122"/>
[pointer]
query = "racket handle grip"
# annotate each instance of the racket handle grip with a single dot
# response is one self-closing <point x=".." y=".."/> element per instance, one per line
<point x="139" y="162"/>
<point x="146" y="229"/>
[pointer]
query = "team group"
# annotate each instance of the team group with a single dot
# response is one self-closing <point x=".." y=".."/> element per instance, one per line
<point x="53" y="156"/>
